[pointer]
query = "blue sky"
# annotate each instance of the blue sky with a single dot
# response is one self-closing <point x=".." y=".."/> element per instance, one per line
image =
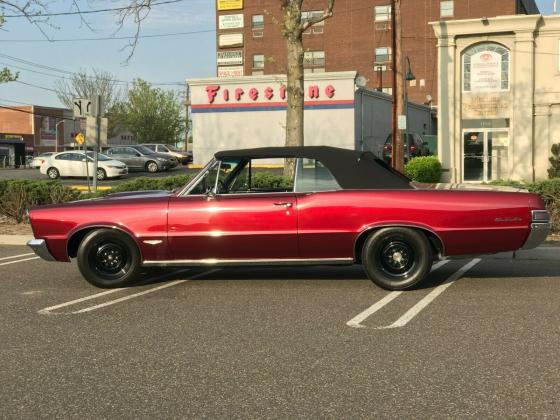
<point x="169" y="59"/>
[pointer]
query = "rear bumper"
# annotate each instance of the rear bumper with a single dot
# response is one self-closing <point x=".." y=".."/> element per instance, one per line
<point x="537" y="235"/>
<point x="39" y="246"/>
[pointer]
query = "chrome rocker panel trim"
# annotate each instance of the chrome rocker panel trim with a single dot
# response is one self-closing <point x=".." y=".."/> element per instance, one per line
<point x="244" y="262"/>
<point x="39" y="247"/>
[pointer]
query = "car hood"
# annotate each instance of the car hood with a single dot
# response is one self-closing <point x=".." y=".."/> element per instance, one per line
<point x="112" y="162"/>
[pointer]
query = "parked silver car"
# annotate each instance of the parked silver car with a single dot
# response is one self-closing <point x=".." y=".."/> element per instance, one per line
<point x="140" y="158"/>
<point x="182" y="156"/>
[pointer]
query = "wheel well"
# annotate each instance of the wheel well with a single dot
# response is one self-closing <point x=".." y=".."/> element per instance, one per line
<point x="435" y="241"/>
<point x="150" y="161"/>
<point x="78" y="236"/>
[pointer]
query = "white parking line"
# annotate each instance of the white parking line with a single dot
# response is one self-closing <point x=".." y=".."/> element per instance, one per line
<point x="362" y="316"/>
<point x="17" y="261"/>
<point x="16" y="256"/>
<point x="145" y="292"/>
<point x="50" y="309"/>
<point x="416" y="309"/>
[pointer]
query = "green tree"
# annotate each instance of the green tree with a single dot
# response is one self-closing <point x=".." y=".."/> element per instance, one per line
<point x="5" y="74"/>
<point x="150" y="114"/>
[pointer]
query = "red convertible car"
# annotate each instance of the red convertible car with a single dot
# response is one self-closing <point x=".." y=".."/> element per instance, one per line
<point x="341" y="207"/>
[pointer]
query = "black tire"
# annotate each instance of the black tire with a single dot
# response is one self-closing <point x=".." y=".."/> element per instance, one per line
<point x="152" y="167"/>
<point x="109" y="258"/>
<point x="101" y="174"/>
<point x="53" y="173"/>
<point x="397" y="258"/>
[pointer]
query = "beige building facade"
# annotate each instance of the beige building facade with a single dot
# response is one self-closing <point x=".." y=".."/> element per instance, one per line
<point x="499" y="97"/>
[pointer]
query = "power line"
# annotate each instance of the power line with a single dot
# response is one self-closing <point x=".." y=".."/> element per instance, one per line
<point x="35" y="86"/>
<point x="67" y="72"/>
<point x="34" y="113"/>
<point x="111" y="38"/>
<point x="115" y="9"/>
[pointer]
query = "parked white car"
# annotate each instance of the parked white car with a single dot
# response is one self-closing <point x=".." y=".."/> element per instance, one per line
<point x="72" y="163"/>
<point x="37" y="161"/>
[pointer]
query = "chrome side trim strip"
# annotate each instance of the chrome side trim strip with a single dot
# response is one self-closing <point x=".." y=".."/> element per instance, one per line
<point x="39" y="246"/>
<point x="242" y="262"/>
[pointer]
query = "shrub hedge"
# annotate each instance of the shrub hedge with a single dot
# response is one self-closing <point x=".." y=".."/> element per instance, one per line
<point x="18" y="195"/>
<point x="425" y="169"/>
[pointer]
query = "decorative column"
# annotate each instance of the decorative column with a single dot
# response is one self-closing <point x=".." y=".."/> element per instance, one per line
<point x="447" y="107"/>
<point x="523" y="92"/>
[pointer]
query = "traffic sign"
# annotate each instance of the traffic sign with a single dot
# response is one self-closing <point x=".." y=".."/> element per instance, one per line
<point x="82" y="107"/>
<point x="80" y="138"/>
<point x="91" y="132"/>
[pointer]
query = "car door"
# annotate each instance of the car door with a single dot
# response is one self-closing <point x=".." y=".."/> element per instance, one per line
<point x="62" y="162"/>
<point x="232" y="226"/>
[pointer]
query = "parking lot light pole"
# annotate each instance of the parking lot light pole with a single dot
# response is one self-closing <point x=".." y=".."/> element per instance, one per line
<point x="409" y="76"/>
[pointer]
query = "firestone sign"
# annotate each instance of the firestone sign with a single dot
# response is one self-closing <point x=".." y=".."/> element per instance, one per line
<point x="269" y="93"/>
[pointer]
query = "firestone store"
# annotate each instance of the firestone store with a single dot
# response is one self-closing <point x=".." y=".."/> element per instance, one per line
<point x="499" y="97"/>
<point x="250" y="111"/>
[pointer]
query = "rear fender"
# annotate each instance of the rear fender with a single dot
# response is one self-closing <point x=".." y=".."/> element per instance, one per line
<point x="433" y="237"/>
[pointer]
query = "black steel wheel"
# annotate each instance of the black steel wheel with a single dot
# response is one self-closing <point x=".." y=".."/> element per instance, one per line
<point x="397" y="258"/>
<point x="109" y="258"/>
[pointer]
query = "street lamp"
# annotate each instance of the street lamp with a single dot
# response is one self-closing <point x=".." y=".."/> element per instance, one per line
<point x="56" y="135"/>
<point x="407" y="78"/>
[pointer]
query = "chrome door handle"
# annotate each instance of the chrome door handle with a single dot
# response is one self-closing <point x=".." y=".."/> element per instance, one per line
<point x="287" y="204"/>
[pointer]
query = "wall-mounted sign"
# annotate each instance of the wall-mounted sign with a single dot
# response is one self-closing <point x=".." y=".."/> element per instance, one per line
<point x="230" y="40"/>
<point x="231" y="71"/>
<point x="230" y="21"/>
<point x="229" y="58"/>
<point x="230" y="4"/>
<point x="486" y="72"/>
<point x="269" y="93"/>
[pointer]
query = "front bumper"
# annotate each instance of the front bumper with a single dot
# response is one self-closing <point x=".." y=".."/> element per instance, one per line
<point x="537" y="235"/>
<point x="39" y="246"/>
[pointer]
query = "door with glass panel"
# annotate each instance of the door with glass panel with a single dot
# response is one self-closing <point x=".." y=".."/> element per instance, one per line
<point x="485" y="155"/>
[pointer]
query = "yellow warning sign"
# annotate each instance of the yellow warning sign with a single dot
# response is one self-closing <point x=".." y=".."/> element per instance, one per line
<point x="80" y="138"/>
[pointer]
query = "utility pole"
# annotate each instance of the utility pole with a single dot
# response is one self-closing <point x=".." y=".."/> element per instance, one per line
<point x="97" y="140"/>
<point x="187" y="105"/>
<point x="397" y="152"/>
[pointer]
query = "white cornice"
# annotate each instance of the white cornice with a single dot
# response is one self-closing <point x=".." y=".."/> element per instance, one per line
<point x="482" y="26"/>
<point x="277" y="78"/>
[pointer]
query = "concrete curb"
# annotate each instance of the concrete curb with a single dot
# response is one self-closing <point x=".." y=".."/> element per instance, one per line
<point x="15" y="239"/>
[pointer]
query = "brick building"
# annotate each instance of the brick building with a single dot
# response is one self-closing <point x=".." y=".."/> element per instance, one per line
<point x="37" y="126"/>
<point x="357" y="37"/>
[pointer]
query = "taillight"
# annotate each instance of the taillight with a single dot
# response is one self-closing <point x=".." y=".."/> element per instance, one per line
<point x="412" y="148"/>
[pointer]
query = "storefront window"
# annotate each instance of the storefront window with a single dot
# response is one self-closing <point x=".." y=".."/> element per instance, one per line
<point x="486" y="68"/>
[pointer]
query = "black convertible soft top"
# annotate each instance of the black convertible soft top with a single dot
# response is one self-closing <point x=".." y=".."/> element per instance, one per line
<point x="352" y="169"/>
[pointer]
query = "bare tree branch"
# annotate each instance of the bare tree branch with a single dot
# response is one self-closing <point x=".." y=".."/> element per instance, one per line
<point x="32" y="10"/>
<point x="138" y="11"/>
<point x="327" y="13"/>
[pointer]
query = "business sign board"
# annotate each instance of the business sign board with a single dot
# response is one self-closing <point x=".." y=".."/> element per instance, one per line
<point x="230" y="40"/>
<point x="230" y="4"/>
<point x="230" y="71"/>
<point x="230" y="21"/>
<point x="486" y="72"/>
<point x="229" y="58"/>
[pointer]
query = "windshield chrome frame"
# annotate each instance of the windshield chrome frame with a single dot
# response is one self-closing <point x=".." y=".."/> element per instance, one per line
<point x="190" y="185"/>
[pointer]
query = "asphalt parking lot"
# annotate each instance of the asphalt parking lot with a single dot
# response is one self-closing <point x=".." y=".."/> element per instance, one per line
<point x="32" y="174"/>
<point x="479" y="339"/>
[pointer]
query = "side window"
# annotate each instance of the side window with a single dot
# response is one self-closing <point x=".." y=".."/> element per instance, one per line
<point x="313" y="176"/>
<point x="151" y="146"/>
<point x="162" y="148"/>
<point x="129" y="151"/>
<point x="64" y="156"/>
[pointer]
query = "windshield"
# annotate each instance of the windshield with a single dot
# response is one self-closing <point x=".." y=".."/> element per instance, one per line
<point x="100" y="156"/>
<point x="173" y="149"/>
<point x="144" y="149"/>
